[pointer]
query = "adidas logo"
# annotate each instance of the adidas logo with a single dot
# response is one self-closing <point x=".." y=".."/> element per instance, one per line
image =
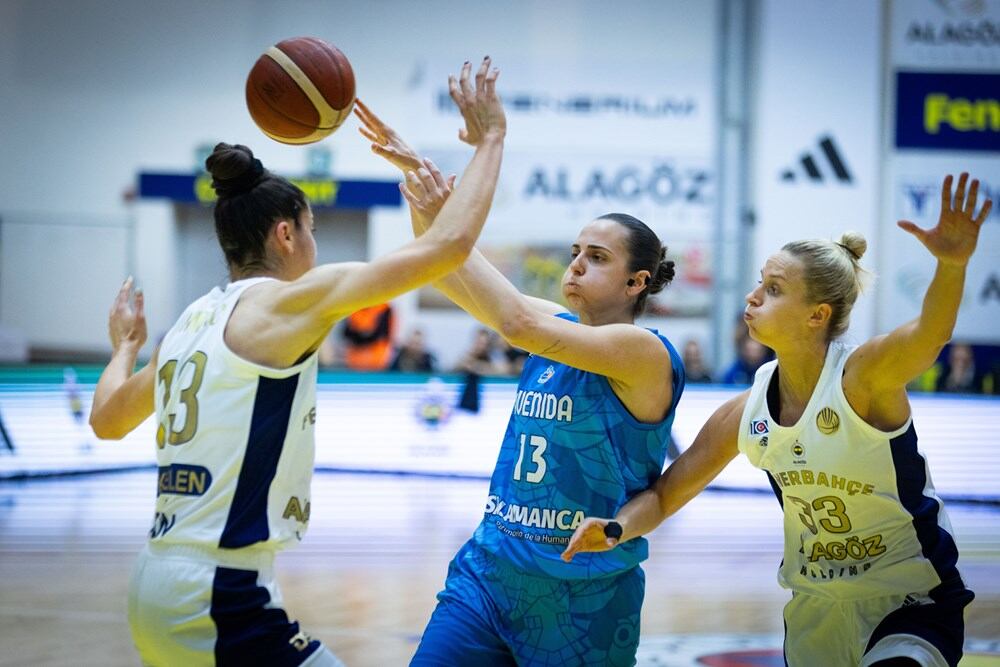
<point x="811" y="170"/>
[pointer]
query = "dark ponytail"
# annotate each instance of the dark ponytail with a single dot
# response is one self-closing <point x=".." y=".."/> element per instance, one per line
<point x="646" y="253"/>
<point x="251" y="200"/>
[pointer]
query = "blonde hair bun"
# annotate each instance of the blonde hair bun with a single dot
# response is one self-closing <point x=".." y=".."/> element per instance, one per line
<point x="854" y="243"/>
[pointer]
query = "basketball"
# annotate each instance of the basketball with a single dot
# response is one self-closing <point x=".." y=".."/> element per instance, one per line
<point x="300" y="90"/>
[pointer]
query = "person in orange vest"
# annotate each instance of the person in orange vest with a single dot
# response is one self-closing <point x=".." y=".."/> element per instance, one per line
<point x="368" y="334"/>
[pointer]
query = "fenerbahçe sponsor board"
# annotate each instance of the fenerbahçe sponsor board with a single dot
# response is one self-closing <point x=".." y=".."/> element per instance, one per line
<point x="949" y="111"/>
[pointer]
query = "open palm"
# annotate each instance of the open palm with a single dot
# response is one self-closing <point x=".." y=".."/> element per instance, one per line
<point x="127" y="319"/>
<point x="954" y="238"/>
<point x="385" y="141"/>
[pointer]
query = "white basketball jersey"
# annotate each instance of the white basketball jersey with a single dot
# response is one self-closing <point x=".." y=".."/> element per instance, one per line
<point x="861" y="518"/>
<point x="235" y="442"/>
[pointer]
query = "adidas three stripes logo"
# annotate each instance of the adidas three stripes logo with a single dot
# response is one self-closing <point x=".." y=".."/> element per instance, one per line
<point x="809" y="166"/>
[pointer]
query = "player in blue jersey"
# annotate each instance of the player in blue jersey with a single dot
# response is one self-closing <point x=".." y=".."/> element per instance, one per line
<point x="233" y="389"/>
<point x="869" y="553"/>
<point x="588" y="430"/>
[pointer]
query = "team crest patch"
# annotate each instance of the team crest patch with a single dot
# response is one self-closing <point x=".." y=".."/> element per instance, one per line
<point x="758" y="427"/>
<point x="827" y="421"/>
<point x="546" y="375"/>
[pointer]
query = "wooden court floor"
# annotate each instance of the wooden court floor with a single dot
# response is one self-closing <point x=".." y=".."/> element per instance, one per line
<point x="364" y="578"/>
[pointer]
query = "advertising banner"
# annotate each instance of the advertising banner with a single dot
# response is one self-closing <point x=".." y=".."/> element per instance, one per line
<point x="948" y="110"/>
<point x="944" y="84"/>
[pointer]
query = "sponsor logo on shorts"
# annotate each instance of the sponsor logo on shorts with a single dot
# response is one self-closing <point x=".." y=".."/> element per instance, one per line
<point x="300" y="641"/>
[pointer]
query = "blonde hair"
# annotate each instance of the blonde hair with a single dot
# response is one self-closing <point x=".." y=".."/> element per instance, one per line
<point x="833" y="274"/>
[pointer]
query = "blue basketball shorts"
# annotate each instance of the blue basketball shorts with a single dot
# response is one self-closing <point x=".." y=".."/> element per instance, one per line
<point x="491" y="613"/>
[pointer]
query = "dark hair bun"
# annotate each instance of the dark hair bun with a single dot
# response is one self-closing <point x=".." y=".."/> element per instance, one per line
<point x="234" y="169"/>
<point x="664" y="273"/>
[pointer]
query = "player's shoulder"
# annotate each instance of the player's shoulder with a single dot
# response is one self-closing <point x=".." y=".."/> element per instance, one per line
<point x="733" y="408"/>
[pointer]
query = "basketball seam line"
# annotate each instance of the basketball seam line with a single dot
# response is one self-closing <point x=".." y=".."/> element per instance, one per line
<point x="327" y="114"/>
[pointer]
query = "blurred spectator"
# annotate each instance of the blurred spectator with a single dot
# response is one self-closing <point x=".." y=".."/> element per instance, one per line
<point x="368" y="338"/>
<point x="514" y="358"/>
<point x="694" y="363"/>
<point x="477" y="362"/>
<point x="413" y="356"/>
<point x="959" y="374"/>
<point x="750" y="356"/>
<point x="479" y="358"/>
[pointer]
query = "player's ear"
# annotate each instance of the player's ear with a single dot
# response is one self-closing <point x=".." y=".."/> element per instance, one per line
<point x="820" y="315"/>
<point x="282" y="233"/>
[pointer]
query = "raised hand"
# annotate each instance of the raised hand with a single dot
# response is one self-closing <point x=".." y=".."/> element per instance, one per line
<point x="480" y="105"/>
<point x="385" y="141"/>
<point x="954" y="238"/>
<point x="127" y="321"/>
<point x="426" y="190"/>
<point x="589" y="536"/>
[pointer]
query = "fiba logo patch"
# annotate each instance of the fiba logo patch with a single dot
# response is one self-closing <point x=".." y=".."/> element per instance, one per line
<point x="827" y="421"/>
<point x="546" y="375"/>
<point x="798" y="449"/>
<point x="758" y="427"/>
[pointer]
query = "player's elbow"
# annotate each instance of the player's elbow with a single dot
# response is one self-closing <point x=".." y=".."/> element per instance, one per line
<point x="518" y="324"/>
<point x="105" y="428"/>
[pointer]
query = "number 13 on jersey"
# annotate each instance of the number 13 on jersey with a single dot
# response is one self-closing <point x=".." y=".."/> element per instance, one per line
<point x="165" y="432"/>
<point x="537" y="445"/>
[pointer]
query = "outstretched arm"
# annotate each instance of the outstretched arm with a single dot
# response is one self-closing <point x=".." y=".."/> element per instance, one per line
<point x="886" y="363"/>
<point x="711" y="451"/>
<point x="629" y="355"/>
<point x="123" y="400"/>
<point x="290" y="318"/>
<point x="426" y="191"/>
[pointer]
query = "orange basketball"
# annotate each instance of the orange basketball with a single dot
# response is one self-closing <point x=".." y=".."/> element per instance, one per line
<point x="300" y="90"/>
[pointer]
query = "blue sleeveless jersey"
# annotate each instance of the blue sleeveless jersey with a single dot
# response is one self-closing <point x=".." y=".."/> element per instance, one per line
<point x="571" y="450"/>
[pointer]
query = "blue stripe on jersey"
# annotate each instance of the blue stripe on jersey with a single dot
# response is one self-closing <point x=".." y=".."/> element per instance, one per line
<point x="775" y="488"/>
<point x="937" y="544"/>
<point x="272" y="407"/>
<point x="247" y="631"/>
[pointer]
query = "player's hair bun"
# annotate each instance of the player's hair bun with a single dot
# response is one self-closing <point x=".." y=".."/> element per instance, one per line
<point x="664" y="272"/>
<point x="234" y="169"/>
<point x="854" y="243"/>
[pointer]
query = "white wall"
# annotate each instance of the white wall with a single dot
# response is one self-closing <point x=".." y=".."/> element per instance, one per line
<point x="95" y="91"/>
<point x="818" y="75"/>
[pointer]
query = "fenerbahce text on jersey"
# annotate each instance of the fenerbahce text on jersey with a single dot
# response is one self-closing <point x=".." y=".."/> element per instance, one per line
<point x="234" y="439"/>
<point x="861" y="516"/>
<point x="571" y="449"/>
